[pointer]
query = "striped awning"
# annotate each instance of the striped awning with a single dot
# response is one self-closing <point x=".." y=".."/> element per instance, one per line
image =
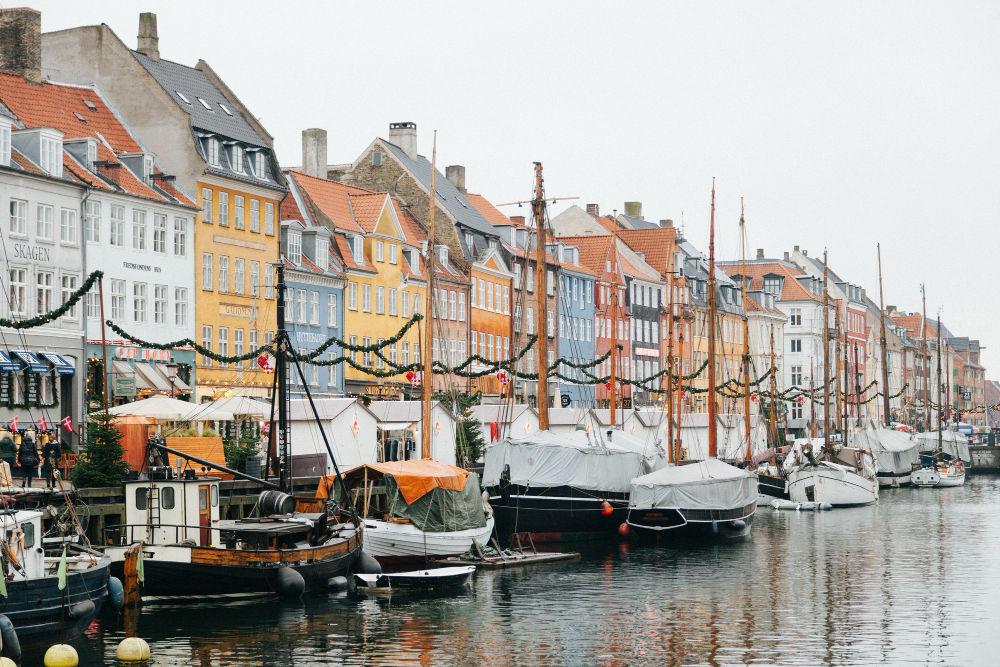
<point x="6" y="365"/>
<point x="61" y="366"/>
<point x="35" y="365"/>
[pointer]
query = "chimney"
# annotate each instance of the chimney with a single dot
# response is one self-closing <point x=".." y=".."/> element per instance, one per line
<point x="760" y="253"/>
<point x="314" y="152"/>
<point x="517" y="220"/>
<point x="796" y="248"/>
<point x="666" y="223"/>
<point x="456" y="174"/>
<point x="805" y="253"/>
<point x="149" y="41"/>
<point x="633" y="209"/>
<point x="21" y="43"/>
<point x="404" y="135"/>
<point x="786" y="256"/>
<point x="594" y="210"/>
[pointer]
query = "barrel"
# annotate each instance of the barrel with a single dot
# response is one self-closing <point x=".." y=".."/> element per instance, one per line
<point x="275" y="502"/>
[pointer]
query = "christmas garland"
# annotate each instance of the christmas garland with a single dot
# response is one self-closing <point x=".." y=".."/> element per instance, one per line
<point x="187" y="342"/>
<point x="45" y="318"/>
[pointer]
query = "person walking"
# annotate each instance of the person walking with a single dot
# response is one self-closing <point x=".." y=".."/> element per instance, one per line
<point x="51" y="452"/>
<point x="8" y="452"/>
<point x="27" y="457"/>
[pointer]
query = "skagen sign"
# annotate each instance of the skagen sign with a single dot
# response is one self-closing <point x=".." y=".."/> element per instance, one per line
<point x="32" y="252"/>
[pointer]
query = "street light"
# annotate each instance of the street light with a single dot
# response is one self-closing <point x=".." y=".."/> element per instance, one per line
<point x="172" y="376"/>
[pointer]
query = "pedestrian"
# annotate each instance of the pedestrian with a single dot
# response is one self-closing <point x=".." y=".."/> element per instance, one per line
<point x="27" y="457"/>
<point x="8" y="452"/>
<point x="51" y="452"/>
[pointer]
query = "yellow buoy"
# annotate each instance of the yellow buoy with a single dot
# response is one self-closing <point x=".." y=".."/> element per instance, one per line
<point x="133" y="650"/>
<point x="61" y="655"/>
<point x="7" y="662"/>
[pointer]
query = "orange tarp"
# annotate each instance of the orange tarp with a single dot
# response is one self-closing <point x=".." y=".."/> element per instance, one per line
<point x="415" y="477"/>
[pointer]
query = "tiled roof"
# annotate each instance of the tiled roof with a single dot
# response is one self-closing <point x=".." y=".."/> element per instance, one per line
<point x="289" y="210"/>
<point x="23" y="162"/>
<point x="792" y="289"/>
<point x="77" y="171"/>
<point x="412" y="230"/>
<point x="492" y="214"/>
<point x="655" y="244"/>
<point x="194" y="84"/>
<point x="367" y="208"/>
<point x="344" y="249"/>
<point x="448" y="195"/>
<point x="912" y="325"/>
<point x="122" y="176"/>
<point x="172" y="190"/>
<point x="634" y="223"/>
<point x="608" y="223"/>
<point x="330" y="197"/>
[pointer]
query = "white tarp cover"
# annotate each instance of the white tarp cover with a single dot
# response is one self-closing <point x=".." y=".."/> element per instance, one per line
<point x="895" y="452"/>
<point x="579" y="459"/>
<point x="953" y="444"/>
<point x="706" y="485"/>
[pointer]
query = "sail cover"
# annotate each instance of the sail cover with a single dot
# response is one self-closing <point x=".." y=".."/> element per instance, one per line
<point x="955" y="445"/>
<point x="585" y="460"/>
<point x="706" y="485"/>
<point x="895" y="452"/>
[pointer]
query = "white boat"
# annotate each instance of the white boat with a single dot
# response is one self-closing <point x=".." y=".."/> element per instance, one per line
<point x="954" y="446"/>
<point x="811" y="480"/>
<point x="896" y="453"/>
<point x="950" y="473"/>
<point x="391" y="541"/>
<point x="925" y="477"/>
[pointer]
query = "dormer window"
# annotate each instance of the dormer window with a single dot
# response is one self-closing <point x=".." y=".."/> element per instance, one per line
<point x="443" y="254"/>
<point x="294" y="247"/>
<point x="236" y="158"/>
<point x="183" y="97"/>
<point x="260" y="165"/>
<point x="414" y="262"/>
<point x="359" y="249"/>
<point x="91" y="153"/>
<point x="322" y="254"/>
<point x="470" y="243"/>
<point x="772" y="285"/>
<point x="51" y="155"/>
<point x="147" y="169"/>
<point x="4" y="143"/>
<point x="493" y="243"/>
<point x="212" y="151"/>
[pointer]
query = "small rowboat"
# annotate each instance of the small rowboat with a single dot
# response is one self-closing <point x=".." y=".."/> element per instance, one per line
<point x="434" y="578"/>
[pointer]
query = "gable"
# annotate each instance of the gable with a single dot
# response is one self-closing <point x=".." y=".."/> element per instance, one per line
<point x="387" y="224"/>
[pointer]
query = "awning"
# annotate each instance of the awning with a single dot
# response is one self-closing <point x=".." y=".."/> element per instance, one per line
<point x="7" y="365"/>
<point x="179" y="384"/>
<point x="35" y="364"/>
<point x="153" y="378"/>
<point x="394" y="426"/>
<point x="121" y="368"/>
<point x="61" y="366"/>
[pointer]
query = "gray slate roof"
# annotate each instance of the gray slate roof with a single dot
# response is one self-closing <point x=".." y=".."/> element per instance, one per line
<point x="192" y="83"/>
<point x="447" y="194"/>
<point x="637" y="223"/>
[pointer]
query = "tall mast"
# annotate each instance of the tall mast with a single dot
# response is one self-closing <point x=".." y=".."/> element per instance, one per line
<point x="746" y="339"/>
<point x="712" y="435"/>
<point x="940" y="405"/>
<point x="812" y="400"/>
<point x="926" y="360"/>
<point x="538" y="211"/>
<point x="281" y="396"/>
<point x="670" y="363"/>
<point x="614" y="321"/>
<point x="826" y="354"/>
<point x="680" y="404"/>
<point x="774" y="392"/>
<point x="426" y="382"/>
<point x="885" y="353"/>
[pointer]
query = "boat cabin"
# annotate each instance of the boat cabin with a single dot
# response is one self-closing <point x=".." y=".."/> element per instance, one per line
<point x="172" y="510"/>
<point x="23" y="555"/>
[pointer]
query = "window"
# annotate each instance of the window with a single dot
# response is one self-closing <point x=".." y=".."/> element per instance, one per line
<point x="367" y="358"/>
<point x="358" y="249"/>
<point x="366" y="299"/>
<point x="405" y="354"/>
<point x="379" y="300"/>
<point x="255" y="216"/>
<point x="238" y="211"/>
<point x="253" y="339"/>
<point x="238" y="345"/>
<point x="795" y="318"/>
<point x="223" y="274"/>
<point x="303" y="314"/>
<point x="223" y="345"/>
<point x="506" y="300"/>
<point x="180" y="306"/>
<point x="207" y="277"/>
<point x="314" y="308"/>
<point x="530" y="280"/>
<point x="352" y="296"/>
<point x="18" y="217"/>
<point x="483" y="291"/>
<point x="51" y="156"/>
<point x="69" y="285"/>
<point x="268" y="283"/>
<point x="323" y="254"/>
<point x="379" y="251"/>
<point x="474" y="338"/>
<point x="551" y="323"/>
<point x="550" y="284"/>
<point x="796" y="411"/>
<point x="517" y="276"/>
<point x="474" y="300"/>
<point x="590" y="293"/>
<point x="236" y="158"/>
<point x="211" y="147"/>
<point x="223" y="210"/>
<point x="772" y="285"/>
<point x="392" y="253"/>
<point x="206" y="205"/>
<point x="43" y="291"/>
<point x="435" y="354"/>
<point x="452" y="352"/>
<point x="260" y="165"/>
<point x="160" y="304"/>
<point x="159" y="233"/>
<point x="289" y="304"/>
<point x="392" y="301"/>
<point x="453" y="305"/>
<point x="18" y="291"/>
<point x="416" y="346"/>
<point x="530" y="321"/>
<point x="506" y="347"/>
<point x="5" y="145"/>
<point x="576" y="288"/>
<point x="118" y="300"/>
<point x="796" y="344"/>
<point x="206" y="342"/>
<point x="470" y="242"/>
<point x="489" y="347"/>
<point x="138" y="230"/>
<point x="497" y="291"/>
<point x="67" y="226"/>
<point x="92" y="223"/>
<point x="269" y="218"/>
<point x="562" y="326"/>
<point x="331" y="310"/>
<point x="139" y="303"/>
<point x="118" y="225"/>
<point x="254" y="278"/>
<point x="796" y="376"/>
<point x="294" y="248"/>
<point x="416" y="304"/>
<point x="461" y="306"/>
<point x="239" y="282"/>
<point x="180" y="237"/>
<point x="405" y="304"/>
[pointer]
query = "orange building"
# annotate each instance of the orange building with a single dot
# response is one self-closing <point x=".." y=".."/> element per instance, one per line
<point x="490" y="319"/>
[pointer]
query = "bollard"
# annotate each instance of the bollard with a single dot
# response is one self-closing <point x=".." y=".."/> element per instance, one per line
<point x="61" y="655"/>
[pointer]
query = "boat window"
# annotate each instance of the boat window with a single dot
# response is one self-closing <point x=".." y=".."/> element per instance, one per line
<point x="202" y="498"/>
<point x="140" y="498"/>
<point x="29" y="535"/>
<point x="167" y="497"/>
<point x="215" y="495"/>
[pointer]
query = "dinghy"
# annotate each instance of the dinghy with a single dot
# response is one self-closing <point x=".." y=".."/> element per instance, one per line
<point x="430" y="579"/>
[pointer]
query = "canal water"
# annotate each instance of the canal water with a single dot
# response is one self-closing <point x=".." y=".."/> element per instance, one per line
<point x="912" y="580"/>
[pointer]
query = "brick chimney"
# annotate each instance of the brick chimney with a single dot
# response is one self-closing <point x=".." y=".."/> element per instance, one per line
<point x="404" y="135"/>
<point x="21" y="43"/>
<point x="149" y="41"/>
<point x="314" y="152"/>
<point x="666" y="223"/>
<point x="456" y="174"/>
<point x="760" y="253"/>
<point x="786" y="256"/>
<point x="633" y="209"/>
<point x="594" y="210"/>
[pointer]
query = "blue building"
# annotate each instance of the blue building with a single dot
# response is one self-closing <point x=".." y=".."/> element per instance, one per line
<point x="314" y="301"/>
<point x="576" y="324"/>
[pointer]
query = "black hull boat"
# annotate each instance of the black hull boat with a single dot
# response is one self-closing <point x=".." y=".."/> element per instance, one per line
<point x="773" y="486"/>
<point x="559" y="514"/>
<point x="668" y="525"/>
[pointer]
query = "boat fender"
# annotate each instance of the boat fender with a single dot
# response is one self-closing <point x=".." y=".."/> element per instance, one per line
<point x="116" y="591"/>
<point x="61" y="655"/>
<point x="337" y="582"/>
<point x="82" y="610"/>
<point x="624" y="529"/>
<point x="827" y="506"/>
<point x="133" y="651"/>
<point x="8" y="636"/>
<point x="288" y="583"/>
<point x="738" y="524"/>
<point x="7" y="662"/>
<point x="368" y="565"/>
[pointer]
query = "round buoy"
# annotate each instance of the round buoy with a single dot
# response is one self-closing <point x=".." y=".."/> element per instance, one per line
<point x="337" y="582"/>
<point x="11" y="644"/>
<point x="368" y="565"/>
<point x="61" y="655"/>
<point x="133" y="651"/>
<point x="288" y="583"/>
<point x="7" y="662"/>
<point x="624" y="529"/>
<point x="116" y="592"/>
<point x="606" y="508"/>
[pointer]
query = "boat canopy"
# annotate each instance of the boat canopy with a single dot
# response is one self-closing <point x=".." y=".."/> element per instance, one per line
<point x="603" y="460"/>
<point x="706" y="485"/>
<point x="955" y="445"/>
<point x="895" y="452"/>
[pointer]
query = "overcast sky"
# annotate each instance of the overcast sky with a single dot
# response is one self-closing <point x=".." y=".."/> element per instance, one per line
<point x="842" y="125"/>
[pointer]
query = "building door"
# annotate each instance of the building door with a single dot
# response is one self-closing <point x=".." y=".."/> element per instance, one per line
<point x="204" y="514"/>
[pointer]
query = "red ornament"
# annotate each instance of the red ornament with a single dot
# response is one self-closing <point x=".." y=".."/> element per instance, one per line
<point x="607" y="385"/>
<point x="754" y="397"/>
<point x="801" y="399"/>
<point x="409" y="376"/>
<point x="606" y="508"/>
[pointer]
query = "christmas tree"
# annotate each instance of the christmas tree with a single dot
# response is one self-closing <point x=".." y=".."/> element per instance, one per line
<point x="103" y="462"/>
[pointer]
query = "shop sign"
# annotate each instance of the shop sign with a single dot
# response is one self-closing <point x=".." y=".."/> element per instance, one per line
<point x="627" y="402"/>
<point x="124" y="386"/>
<point x="5" y="381"/>
<point x="564" y="399"/>
<point x="146" y="354"/>
<point x="235" y="310"/>
<point x="382" y="390"/>
<point x="32" y="388"/>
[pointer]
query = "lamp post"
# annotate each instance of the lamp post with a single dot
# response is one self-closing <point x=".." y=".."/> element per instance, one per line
<point x="172" y="376"/>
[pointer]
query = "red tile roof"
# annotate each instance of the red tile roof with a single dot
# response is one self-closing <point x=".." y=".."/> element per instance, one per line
<point x="594" y="253"/>
<point x="331" y="198"/>
<point x="792" y="289"/>
<point x="912" y="325"/>
<point x="488" y="210"/>
<point x="122" y="176"/>
<point x="367" y="208"/>
<point x="289" y="209"/>
<point x="76" y="170"/>
<point x="18" y="158"/>
<point x="347" y="256"/>
<point x="412" y="229"/>
<point x="656" y="245"/>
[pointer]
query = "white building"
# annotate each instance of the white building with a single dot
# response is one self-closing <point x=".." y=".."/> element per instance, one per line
<point x="350" y="428"/>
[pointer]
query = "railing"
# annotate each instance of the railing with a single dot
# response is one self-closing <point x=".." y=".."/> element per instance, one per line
<point x="124" y="534"/>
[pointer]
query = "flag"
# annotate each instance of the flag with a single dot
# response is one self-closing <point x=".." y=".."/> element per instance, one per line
<point x="266" y="362"/>
<point x="43" y="424"/>
<point x="67" y="422"/>
<point x="61" y="573"/>
<point x="13" y="423"/>
<point x="140" y="569"/>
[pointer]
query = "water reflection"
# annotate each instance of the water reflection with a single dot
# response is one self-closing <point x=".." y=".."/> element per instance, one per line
<point x="910" y="580"/>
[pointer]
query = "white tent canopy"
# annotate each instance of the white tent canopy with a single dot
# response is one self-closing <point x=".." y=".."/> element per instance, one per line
<point x="165" y="408"/>
<point x="706" y="485"/>
<point x="244" y="406"/>
<point x="895" y="452"/>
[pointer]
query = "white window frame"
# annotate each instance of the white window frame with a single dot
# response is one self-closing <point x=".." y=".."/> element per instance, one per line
<point x="207" y="272"/>
<point x="180" y="237"/>
<point x="223" y="284"/>
<point x="159" y="233"/>
<point x="67" y="226"/>
<point x="180" y="306"/>
<point x="160" y="304"/>
<point x="138" y="230"/>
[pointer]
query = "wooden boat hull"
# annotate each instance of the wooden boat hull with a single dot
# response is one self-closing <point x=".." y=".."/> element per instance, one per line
<point x="839" y="488"/>
<point x="36" y="607"/>
<point x="179" y="572"/>
<point x="391" y="543"/>
<point x="559" y="514"/>
<point x="445" y="577"/>
<point x="678" y="525"/>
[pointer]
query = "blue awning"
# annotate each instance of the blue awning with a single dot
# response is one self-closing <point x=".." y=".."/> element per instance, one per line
<point x="61" y="366"/>
<point x="6" y="365"/>
<point x="35" y="364"/>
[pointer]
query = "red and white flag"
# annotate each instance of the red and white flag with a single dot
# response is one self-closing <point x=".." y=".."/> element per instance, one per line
<point x="67" y="423"/>
<point x="13" y="423"/>
<point x="43" y="424"/>
<point x="266" y="362"/>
